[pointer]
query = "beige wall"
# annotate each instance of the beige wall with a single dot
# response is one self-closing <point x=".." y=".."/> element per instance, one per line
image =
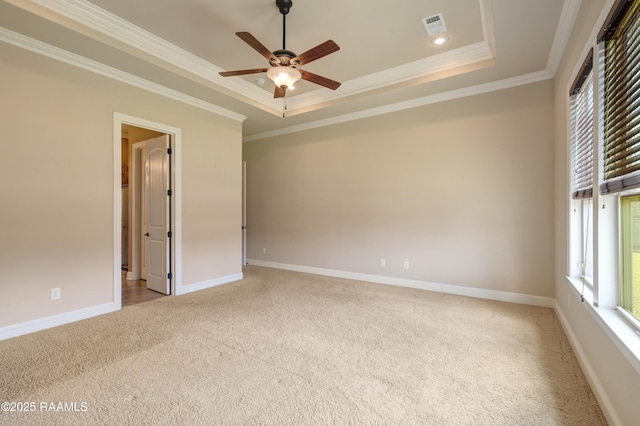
<point x="58" y="185"/>
<point x="610" y="373"/>
<point x="463" y="190"/>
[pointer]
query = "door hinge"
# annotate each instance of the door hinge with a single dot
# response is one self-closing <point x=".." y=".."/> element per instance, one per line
<point x="169" y="151"/>
<point x="169" y="192"/>
<point x="169" y="234"/>
<point x="169" y="276"/>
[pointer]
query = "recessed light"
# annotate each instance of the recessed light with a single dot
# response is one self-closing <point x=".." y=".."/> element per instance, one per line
<point x="439" y="40"/>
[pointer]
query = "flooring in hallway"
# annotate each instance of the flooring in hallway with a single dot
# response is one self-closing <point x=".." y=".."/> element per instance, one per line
<point x="134" y="292"/>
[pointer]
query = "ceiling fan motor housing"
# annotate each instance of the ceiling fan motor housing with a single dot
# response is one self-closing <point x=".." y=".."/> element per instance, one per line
<point x="285" y="57"/>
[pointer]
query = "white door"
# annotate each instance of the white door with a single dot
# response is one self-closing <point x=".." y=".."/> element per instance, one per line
<point x="143" y="211"/>
<point x="156" y="220"/>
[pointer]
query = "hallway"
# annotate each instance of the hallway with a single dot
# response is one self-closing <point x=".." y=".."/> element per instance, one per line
<point x="134" y="292"/>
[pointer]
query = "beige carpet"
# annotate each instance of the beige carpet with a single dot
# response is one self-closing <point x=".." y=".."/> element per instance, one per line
<point x="295" y="349"/>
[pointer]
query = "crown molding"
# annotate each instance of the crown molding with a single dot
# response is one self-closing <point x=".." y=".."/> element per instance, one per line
<point x="116" y="28"/>
<point x="447" y="61"/>
<point x="443" y="62"/>
<point x="121" y="33"/>
<point x="413" y="103"/>
<point x="44" y="49"/>
<point x="568" y="16"/>
<point x="486" y="15"/>
<point x="142" y="41"/>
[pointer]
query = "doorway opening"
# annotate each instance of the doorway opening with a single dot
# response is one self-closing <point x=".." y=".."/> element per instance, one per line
<point x="147" y="252"/>
<point x="146" y="184"/>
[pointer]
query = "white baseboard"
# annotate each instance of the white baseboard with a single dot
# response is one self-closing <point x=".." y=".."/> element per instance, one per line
<point x="184" y="289"/>
<point x="69" y="317"/>
<point x="589" y="372"/>
<point x="503" y="296"/>
<point x="55" y="320"/>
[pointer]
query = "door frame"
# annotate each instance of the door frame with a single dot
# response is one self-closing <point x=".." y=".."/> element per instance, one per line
<point x="244" y="213"/>
<point x="175" y="168"/>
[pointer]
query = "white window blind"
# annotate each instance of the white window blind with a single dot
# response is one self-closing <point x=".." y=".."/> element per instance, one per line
<point x="581" y="116"/>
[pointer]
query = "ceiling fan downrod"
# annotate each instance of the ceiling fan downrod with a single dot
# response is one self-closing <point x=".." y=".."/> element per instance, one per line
<point x="284" y="6"/>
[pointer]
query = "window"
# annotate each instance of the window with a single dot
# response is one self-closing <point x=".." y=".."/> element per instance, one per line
<point x="582" y="136"/>
<point x="621" y="143"/>
<point x="586" y="262"/>
<point x="630" y="254"/>
<point x="604" y="126"/>
<point x="604" y="177"/>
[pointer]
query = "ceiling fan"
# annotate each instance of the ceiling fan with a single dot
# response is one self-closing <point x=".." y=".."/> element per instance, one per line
<point x="284" y="63"/>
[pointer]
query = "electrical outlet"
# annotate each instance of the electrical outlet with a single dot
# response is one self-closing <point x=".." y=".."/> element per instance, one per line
<point x="383" y="262"/>
<point x="406" y="264"/>
<point x="264" y="250"/>
<point x="55" y="293"/>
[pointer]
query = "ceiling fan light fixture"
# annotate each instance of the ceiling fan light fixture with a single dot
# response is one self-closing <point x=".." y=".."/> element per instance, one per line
<point x="284" y="76"/>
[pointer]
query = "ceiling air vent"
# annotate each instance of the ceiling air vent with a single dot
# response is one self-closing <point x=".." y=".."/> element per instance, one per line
<point x="434" y="24"/>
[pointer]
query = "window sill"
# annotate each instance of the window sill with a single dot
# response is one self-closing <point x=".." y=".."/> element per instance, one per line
<point x="586" y="289"/>
<point x="615" y="326"/>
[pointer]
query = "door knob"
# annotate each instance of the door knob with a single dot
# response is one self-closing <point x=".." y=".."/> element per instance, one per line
<point x="146" y="235"/>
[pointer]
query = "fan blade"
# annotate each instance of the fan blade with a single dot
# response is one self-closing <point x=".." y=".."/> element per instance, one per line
<point x="279" y="92"/>
<point x="243" y="72"/>
<point x="318" y="79"/>
<point x="317" y="52"/>
<point x="259" y="47"/>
